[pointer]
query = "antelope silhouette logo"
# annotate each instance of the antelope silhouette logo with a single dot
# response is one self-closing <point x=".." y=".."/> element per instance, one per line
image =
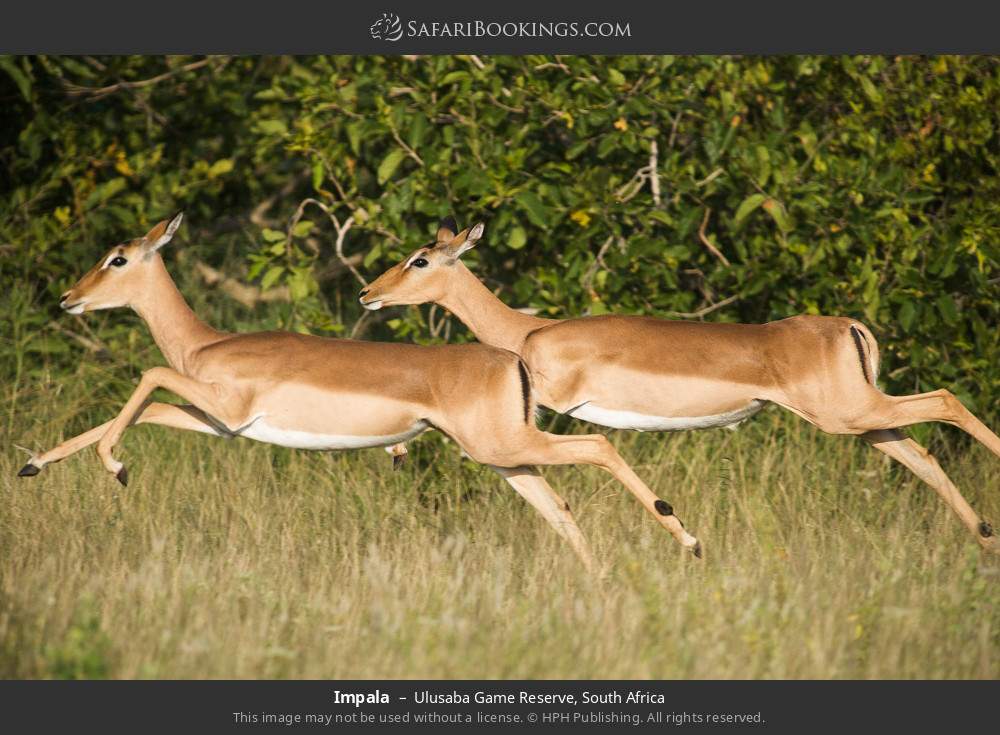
<point x="387" y="28"/>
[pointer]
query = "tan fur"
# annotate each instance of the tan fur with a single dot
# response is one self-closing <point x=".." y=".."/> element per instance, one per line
<point x="280" y="384"/>
<point x="685" y="370"/>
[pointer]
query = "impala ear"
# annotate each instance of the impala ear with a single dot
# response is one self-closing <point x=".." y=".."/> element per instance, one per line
<point x="160" y="235"/>
<point x="465" y="240"/>
<point x="447" y="229"/>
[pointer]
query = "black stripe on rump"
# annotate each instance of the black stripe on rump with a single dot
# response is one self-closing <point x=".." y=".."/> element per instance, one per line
<point x="859" y="344"/>
<point x="525" y="390"/>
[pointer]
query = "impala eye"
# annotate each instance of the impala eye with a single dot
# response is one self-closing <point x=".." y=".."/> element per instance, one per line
<point x="420" y="263"/>
<point x="118" y="262"/>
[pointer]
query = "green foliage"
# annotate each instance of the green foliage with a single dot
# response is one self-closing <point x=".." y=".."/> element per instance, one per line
<point x="82" y="653"/>
<point x="858" y="186"/>
<point x="94" y="151"/>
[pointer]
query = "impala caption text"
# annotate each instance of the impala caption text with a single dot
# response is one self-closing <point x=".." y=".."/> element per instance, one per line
<point x="359" y="702"/>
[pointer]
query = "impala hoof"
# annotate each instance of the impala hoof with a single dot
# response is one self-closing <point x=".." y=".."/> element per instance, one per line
<point x="397" y="461"/>
<point x="696" y="550"/>
<point x="122" y="477"/>
<point x="29" y="470"/>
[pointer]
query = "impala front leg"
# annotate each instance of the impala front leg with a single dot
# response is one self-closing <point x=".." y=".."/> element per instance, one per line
<point x="594" y="449"/>
<point x="161" y="414"/>
<point x="531" y="486"/>
<point x="205" y="396"/>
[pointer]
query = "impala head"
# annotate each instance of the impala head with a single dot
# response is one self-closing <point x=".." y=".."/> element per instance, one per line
<point x="424" y="274"/>
<point x="122" y="272"/>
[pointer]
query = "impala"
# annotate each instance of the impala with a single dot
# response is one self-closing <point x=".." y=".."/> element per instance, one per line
<point x="649" y="374"/>
<point x="311" y="392"/>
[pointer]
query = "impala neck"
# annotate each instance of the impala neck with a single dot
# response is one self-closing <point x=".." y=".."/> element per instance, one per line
<point x="176" y="329"/>
<point x="492" y="321"/>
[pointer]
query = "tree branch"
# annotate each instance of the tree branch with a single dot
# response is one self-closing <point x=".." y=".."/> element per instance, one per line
<point x="77" y="90"/>
<point x="341" y="229"/>
<point x="249" y="296"/>
<point x="708" y="243"/>
<point x="588" y="277"/>
<point x="409" y="151"/>
<point x="654" y="171"/>
<point x="702" y="312"/>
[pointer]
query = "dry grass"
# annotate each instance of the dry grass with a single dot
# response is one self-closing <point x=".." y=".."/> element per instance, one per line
<point x="236" y="559"/>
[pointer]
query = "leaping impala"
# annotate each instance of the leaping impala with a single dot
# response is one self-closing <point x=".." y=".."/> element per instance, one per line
<point x="649" y="374"/>
<point x="310" y="392"/>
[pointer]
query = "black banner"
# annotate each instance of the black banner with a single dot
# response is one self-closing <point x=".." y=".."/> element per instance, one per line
<point x="459" y="706"/>
<point x="512" y="27"/>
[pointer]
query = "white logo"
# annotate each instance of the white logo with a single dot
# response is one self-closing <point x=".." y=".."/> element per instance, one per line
<point x="387" y="28"/>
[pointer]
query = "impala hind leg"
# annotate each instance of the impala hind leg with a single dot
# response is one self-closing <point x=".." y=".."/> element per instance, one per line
<point x="595" y="449"/>
<point x="892" y="412"/>
<point x="923" y="464"/>
<point x="398" y="453"/>
<point x="531" y="486"/>
<point x="162" y="414"/>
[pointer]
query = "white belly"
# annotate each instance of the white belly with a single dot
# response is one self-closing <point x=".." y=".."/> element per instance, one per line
<point x="262" y="432"/>
<point x="644" y="422"/>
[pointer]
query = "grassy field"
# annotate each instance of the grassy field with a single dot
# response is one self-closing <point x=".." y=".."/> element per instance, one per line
<point x="237" y="559"/>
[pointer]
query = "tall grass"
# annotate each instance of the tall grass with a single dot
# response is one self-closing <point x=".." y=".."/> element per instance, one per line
<point x="237" y="559"/>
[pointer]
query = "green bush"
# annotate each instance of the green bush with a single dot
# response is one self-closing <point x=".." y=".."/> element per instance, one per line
<point x="858" y="186"/>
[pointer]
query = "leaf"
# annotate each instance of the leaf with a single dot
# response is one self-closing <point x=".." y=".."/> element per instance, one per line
<point x="907" y="315"/>
<point x="354" y="136"/>
<point x="389" y="164"/>
<point x="269" y="94"/>
<point x="518" y="238"/>
<point x="299" y="284"/>
<point x="607" y="144"/>
<point x="778" y="213"/>
<point x="302" y="228"/>
<point x="576" y="149"/>
<point x="271" y="277"/>
<point x="946" y="308"/>
<point x="105" y="191"/>
<point x="455" y="76"/>
<point x="418" y="127"/>
<point x="21" y="79"/>
<point x="870" y="90"/>
<point x="616" y="77"/>
<point x="660" y="216"/>
<point x="747" y="206"/>
<point x="272" y="235"/>
<point x="220" y="167"/>
<point x="256" y="266"/>
<point x="533" y="207"/>
<point x="372" y="255"/>
<point x="272" y="127"/>
<point x="318" y="174"/>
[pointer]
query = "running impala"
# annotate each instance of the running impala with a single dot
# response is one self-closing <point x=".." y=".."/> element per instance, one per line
<point x="649" y="374"/>
<point x="311" y="392"/>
